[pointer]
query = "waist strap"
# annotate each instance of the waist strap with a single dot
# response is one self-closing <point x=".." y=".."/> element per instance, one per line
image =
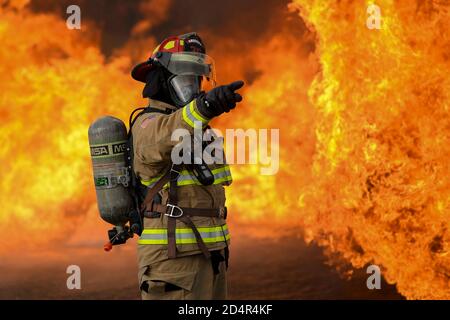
<point x="174" y="212"/>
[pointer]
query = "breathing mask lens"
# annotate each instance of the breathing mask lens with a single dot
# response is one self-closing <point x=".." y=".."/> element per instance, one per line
<point x="186" y="87"/>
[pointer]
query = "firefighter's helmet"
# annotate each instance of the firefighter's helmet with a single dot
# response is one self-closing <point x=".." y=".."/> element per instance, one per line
<point x="189" y="67"/>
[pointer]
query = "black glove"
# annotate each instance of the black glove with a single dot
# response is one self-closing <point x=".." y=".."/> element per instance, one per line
<point x="219" y="100"/>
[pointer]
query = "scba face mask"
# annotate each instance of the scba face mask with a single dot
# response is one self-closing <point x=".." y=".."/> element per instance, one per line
<point x="184" y="88"/>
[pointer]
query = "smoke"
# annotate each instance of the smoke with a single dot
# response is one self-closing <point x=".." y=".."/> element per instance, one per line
<point x="230" y="29"/>
<point x="226" y="19"/>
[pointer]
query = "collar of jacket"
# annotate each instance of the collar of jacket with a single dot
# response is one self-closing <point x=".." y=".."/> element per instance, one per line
<point x="160" y="105"/>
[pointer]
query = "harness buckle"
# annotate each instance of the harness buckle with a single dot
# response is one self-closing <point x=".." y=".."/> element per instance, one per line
<point x="172" y="209"/>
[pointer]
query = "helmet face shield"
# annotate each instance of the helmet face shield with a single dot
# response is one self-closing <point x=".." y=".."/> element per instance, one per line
<point x="192" y="63"/>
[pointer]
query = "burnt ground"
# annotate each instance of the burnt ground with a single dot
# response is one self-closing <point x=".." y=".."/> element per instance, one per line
<point x="259" y="269"/>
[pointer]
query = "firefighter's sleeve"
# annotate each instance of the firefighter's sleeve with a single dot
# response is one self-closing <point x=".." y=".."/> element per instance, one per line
<point x="152" y="135"/>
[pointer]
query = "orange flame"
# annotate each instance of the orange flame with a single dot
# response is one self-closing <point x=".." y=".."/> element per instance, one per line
<point x="54" y="83"/>
<point x="381" y="191"/>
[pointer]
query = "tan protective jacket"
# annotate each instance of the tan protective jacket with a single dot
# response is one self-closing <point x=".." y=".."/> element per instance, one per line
<point x="152" y="158"/>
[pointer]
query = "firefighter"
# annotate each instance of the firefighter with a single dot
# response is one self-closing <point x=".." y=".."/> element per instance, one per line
<point x="183" y="250"/>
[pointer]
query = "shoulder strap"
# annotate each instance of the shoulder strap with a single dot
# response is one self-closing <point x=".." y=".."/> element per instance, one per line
<point x="165" y="111"/>
<point x="137" y="190"/>
<point x="151" y="193"/>
<point x="143" y="110"/>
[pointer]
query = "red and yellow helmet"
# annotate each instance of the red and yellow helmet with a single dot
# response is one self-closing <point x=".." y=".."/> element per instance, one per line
<point x="181" y="55"/>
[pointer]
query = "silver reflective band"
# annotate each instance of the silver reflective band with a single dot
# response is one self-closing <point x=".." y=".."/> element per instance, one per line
<point x="222" y="174"/>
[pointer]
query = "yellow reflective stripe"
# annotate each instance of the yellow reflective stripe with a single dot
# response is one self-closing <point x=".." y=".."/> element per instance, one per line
<point x="186" y="178"/>
<point x="205" y="240"/>
<point x="187" y="183"/>
<point x="186" y="118"/>
<point x="160" y="235"/>
<point x="185" y="230"/>
<point x="146" y="241"/>
<point x="216" y="181"/>
<point x="221" y="169"/>
<point x="151" y="181"/>
<point x="222" y="174"/>
<point x="220" y="180"/>
<point x="184" y="241"/>
<point x="195" y="113"/>
<point x="191" y="116"/>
